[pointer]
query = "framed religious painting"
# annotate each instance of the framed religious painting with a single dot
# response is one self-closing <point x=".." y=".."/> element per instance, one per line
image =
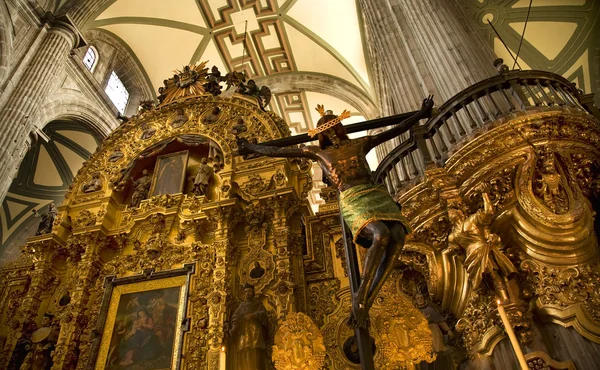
<point x="142" y="321"/>
<point x="169" y="173"/>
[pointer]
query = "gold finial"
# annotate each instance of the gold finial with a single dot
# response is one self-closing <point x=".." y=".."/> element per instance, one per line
<point x="329" y="124"/>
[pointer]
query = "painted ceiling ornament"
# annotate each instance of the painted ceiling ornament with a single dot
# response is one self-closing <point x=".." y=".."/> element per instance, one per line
<point x="187" y="82"/>
<point x="298" y="344"/>
<point x="329" y="124"/>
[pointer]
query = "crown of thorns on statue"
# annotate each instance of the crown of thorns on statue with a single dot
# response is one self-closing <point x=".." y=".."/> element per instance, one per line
<point x="329" y="124"/>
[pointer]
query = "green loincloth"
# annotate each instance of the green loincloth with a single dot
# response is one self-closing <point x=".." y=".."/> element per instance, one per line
<point x="362" y="204"/>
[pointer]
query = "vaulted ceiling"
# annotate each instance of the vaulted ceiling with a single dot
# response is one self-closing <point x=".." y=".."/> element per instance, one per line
<point x="44" y="176"/>
<point x="284" y="38"/>
<point x="562" y="36"/>
<point x="293" y="37"/>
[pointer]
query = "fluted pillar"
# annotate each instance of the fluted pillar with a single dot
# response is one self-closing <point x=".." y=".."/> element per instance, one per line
<point x="452" y="49"/>
<point x="421" y="47"/>
<point x="30" y="92"/>
<point x="398" y="84"/>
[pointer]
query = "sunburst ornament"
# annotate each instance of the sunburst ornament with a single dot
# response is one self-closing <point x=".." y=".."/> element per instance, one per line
<point x="186" y="82"/>
<point x="329" y="124"/>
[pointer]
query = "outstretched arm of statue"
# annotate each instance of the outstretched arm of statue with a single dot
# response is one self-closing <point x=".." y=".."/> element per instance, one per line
<point x="483" y="217"/>
<point x="273" y="151"/>
<point x="404" y="125"/>
<point x="488" y="206"/>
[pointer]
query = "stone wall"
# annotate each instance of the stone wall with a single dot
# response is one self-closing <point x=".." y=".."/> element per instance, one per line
<point x="42" y="78"/>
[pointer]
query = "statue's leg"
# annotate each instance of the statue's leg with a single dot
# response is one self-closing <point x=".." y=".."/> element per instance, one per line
<point x="379" y="235"/>
<point x="392" y="253"/>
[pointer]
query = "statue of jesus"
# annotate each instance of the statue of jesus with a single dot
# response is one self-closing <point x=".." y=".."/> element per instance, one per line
<point x="367" y="208"/>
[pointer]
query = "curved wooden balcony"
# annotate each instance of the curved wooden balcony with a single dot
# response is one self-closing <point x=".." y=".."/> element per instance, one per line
<point x="504" y="96"/>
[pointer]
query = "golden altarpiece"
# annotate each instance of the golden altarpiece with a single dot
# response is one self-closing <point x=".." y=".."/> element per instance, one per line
<point x="169" y="251"/>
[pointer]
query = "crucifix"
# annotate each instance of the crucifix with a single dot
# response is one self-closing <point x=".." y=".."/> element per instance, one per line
<point x="367" y="209"/>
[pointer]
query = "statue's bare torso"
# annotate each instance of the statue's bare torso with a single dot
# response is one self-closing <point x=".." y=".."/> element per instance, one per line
<point x="345" y="165"/>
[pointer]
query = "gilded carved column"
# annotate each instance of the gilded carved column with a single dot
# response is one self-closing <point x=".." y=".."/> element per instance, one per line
<point x="30" y="92"/>
<point x="41" y="278"/>
<point x="74" y="319"/>
<point x="284" y="258"/>
<point x="217" y="299"/>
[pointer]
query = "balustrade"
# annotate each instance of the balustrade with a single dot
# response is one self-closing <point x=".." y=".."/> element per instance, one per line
<point x="507" y="95"/>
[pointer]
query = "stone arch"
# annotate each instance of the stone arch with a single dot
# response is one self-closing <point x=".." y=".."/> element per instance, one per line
<point x="82" y="11"/>
<point x="325" y="84"/>
<point x="77" y="108"/>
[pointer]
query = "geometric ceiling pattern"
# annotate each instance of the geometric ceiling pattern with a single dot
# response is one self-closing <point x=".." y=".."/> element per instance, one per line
<point x="44" y="176"/>
<point x="261" y="38"/>
<point x="561" y="35"/>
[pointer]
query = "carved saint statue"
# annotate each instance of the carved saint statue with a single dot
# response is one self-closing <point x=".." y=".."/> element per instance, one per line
<point x="438" y="326"/>
<point x="147" y="131"/>
<point x="45" y="225"/>
<point x="548" y="183"/>
<point x="248" y="332"/>
<point x="43" y="341"/>
<point x="94" y="184"/>
<point x="367" y="208"/>
<point x="212" y="117"/>
<point x="203" y="177"/>
<point x="141" y="187"/>
<point x="483" y="248"/>
<point x="180" y="118"/>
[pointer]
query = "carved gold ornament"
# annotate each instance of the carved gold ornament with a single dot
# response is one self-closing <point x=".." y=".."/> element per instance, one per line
<point x="402" y="334"/>
<point x="186" y="82"/>
<point x="298" y="344"/>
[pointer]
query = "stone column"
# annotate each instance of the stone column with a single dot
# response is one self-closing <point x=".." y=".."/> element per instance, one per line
<point x="421" y="47"/>
<point x="30" y="92"/>
<point x="453" y="51"/>
<point x="398" y="84"/>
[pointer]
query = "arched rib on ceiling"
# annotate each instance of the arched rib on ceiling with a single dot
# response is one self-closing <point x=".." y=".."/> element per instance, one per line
<point x="322" y="83"/>
<point x="77" y="110"/>
<point x="283" y="36"/>
<point x="560" y="34"/>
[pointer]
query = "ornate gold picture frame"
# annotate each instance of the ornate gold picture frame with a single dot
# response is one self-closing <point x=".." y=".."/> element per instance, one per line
<point x="169" y="173"/>
<point x="142" y="321"/>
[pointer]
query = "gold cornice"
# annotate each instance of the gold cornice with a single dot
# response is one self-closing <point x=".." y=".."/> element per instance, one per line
<point x="573" y="316"/>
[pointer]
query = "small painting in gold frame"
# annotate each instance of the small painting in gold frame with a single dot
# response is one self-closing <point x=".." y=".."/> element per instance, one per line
<point x="169" y="173"/>
<point x="141" y="321"/>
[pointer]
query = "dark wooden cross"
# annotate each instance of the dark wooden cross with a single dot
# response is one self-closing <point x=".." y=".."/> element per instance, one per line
<point x="363" y="338"/>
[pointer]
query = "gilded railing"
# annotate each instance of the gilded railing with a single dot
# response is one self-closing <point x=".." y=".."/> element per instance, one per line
<point x="504" y="96"/>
